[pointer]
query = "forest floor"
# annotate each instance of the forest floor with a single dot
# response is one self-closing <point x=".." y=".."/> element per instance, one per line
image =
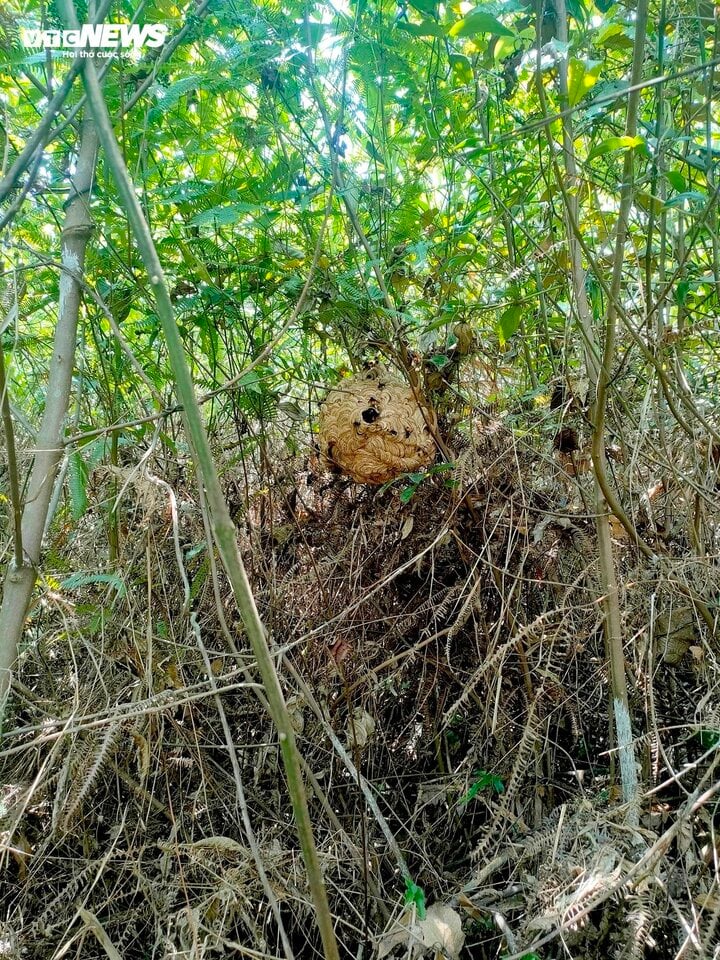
<point x="441" y="648"/>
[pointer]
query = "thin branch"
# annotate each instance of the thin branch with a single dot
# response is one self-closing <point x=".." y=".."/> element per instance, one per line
<point x="223" y="527"/>
<point x="13" y="482"/>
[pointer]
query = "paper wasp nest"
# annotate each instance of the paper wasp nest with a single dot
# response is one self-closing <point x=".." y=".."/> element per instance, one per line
<point x="372" y="428"/>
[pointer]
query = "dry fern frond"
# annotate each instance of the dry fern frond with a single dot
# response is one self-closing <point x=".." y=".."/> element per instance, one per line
<point x="502" y="814"/>
<point x="81" y="769"/>
<point x="643" y="913"/>
<point x="528" y="631"/>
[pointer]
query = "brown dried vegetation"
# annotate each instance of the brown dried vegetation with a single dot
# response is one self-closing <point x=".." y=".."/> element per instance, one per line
<point x="423" y="645"/>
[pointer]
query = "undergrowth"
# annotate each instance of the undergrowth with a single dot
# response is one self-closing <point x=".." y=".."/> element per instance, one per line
<point x="442" y="656"/>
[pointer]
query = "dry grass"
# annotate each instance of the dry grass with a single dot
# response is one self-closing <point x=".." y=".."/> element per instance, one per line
<point x="426" y="647"/>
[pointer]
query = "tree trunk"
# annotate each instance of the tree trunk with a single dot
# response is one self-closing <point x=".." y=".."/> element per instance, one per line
<point x="19" y="581"/>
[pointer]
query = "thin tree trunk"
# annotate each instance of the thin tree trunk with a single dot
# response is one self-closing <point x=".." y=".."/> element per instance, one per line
<point x="572" y="213"/>
<point x="603" y="494"/>
<point x="222" y="526"/>
<point x="600" y="373"/>
<point x="20" y="580"/>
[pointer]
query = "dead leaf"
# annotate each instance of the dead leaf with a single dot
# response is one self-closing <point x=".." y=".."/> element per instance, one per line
<point x="20" y="851"/>
<point x="396" y="936"/>
<point x="173" y="678"/>
<point x="407" y="528"/>
<point x="617" y="530"/>
<point x="442" y="929"/>
<point x="438" y="934"/>
<point x="96" y="928"/>
<point x="339" y="651"/>
<point x="708" y="901"/>
<point x="219" y="845"/>
<point x="295" y="707"/>
<point x="143" y="754"/>
<point x="470" y="908"/>
<point x="360" y="728"/>
<point x="653" y="492"/>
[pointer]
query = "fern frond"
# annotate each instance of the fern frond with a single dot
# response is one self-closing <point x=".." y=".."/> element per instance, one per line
<point x="503" y="813"/>
<point x="639" y="925"/>
<point x="82" y="769"/>
<point x="525" y="632"/>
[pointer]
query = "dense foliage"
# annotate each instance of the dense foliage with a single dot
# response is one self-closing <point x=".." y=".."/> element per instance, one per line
<point x="271" y="128"/>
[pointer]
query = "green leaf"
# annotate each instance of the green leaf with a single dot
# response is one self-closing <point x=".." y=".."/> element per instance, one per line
<point x="85" y="579"/>
<point x="577" y="10"/>
<point x="483" y="781"/>
<point x="428" y="28"/>
<point x="709" y="738"/>
<point x="676" y="180"/>
<point x="504" y="47"/>
<point x="199" y="579"/>
<point x="167" y="97"/>
<point x="428" y="7"/>
<point x="194" y="551"/>
<point x="616" y="37"/>
<point x="408" y="493"/>
<point x="470" y="795"/>
<point x="595" y="295"/>
<point x="439" y="360"/>
<point x="310" y="33"/>
<point x="693" y="195"/>
<point x="616" y="144"/>
<point x="681" y="291"/>
<point x="77" y="483"/>
<point x="415" y="894"/>
<point x="251" y="381"/>
<point x="477" y="21"/>
<point x="509" y="322"/>
<point x="225" y="215"/>
<point x="582" y="77"/>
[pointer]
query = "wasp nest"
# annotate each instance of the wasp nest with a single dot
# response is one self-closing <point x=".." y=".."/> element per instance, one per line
<point x="373" y="429"/>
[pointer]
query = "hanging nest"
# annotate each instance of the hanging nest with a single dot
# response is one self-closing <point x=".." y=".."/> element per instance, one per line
<point x="372" y="429"/>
